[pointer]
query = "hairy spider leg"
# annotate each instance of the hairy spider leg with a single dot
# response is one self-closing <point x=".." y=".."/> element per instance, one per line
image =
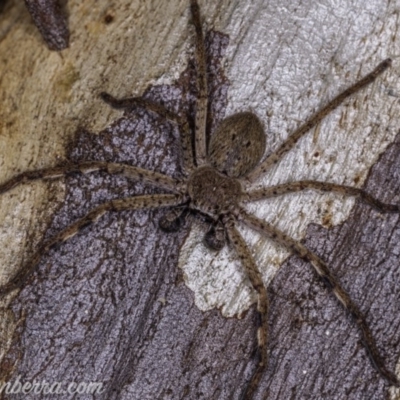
<point x="202" y="87"/>
<point x="200" y="155"/>
<point x="253" y="273"/>
<point x="129" y="203"/>
<point x="286" y="146"/>
<point x="330" y="282"/>
<point x="292" y="187"/>
<point x="61" y="171"/>
<point x="319" y="265"/>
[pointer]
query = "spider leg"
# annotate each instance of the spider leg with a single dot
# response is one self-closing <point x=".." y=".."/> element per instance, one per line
<point x="142" y="175"/>
<point x="254" y="275"/>
<point x="274" y="157"/>
<point x="292" y="187"/>
<point x="129" y="203"/>
<point x="331" y="283"/>
<point x="202" y="89"/>
<point x="182" y="122"/>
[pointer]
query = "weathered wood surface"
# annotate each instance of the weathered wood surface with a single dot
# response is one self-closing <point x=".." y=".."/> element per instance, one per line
<point x="50" y="18"/>
<point x="111" y="305"/>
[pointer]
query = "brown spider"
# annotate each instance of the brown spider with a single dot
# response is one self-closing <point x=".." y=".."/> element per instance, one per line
<point x="216" y="184"/>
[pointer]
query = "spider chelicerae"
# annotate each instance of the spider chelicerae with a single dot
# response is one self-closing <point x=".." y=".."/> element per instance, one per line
<point x="217" y="184"/>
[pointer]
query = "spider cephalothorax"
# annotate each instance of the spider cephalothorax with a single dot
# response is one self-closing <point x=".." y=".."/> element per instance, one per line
<point x="217" y="185"/>
<point x="212" y="192"/>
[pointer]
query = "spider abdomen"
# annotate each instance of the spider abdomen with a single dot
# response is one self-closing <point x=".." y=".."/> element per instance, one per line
<point x="237" y="145"/>
<point x="213" y="193"/>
